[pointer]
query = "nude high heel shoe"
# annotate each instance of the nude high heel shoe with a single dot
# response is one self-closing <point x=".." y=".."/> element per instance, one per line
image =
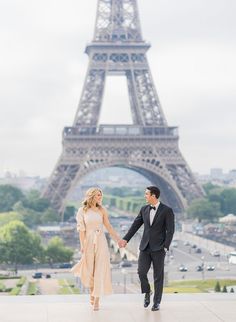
<point x="96" y="304"/>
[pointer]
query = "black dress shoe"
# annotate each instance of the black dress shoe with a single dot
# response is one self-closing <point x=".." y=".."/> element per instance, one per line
<point x="147" y="299"/>
<point x="156" y="307"/>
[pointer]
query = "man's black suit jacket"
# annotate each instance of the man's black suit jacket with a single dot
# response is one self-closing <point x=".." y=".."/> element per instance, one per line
<point x="160" y="233"/>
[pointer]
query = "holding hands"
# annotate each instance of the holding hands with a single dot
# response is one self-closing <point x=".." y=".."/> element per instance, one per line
<point x="122" y="243"/>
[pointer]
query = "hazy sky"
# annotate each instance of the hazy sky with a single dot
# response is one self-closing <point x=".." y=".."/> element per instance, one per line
<point x="43" y="67"/>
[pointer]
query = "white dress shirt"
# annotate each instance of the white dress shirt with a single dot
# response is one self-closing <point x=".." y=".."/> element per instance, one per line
<point x="153" y="212"/>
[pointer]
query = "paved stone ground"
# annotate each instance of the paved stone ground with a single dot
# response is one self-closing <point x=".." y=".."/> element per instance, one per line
<point x="119" y="308"/>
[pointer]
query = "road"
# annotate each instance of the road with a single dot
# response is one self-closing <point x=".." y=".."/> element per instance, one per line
<point x="126" y="279"/>
<point x="186" y="255"/>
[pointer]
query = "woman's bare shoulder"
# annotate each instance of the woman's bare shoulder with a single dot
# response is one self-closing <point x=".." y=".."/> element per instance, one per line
<point x="104" y="211"/>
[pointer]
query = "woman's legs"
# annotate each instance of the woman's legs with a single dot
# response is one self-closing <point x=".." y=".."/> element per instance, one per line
<point x="91" y="295"/>
<point x="91" y="264"/>
<point x="96" y="304"/>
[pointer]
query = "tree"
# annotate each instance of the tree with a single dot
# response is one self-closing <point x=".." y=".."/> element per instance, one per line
<point x="208" y="187"/>
<point x="49" y="216"/>
<point x="57" y="252"/>
<point x="18" y="245"/>
<point x="6" y="217"/>
<point x="9" y="195"/>
<point x="123" y="191"/>
<point x="217" y="287"/>
<point x="225" y="197"/>
<point x="69" y="213"/>
<point x="215" y="195"/>
<point x="34" y="218"/>
<point x="203" y="209"/>
<point x="224" y="289"/>
<point x="30" y="217"/>
<point x="36" y="202"/>
<point x="228" y="201"/>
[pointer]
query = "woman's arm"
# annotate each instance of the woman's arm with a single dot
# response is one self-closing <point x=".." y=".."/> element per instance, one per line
<point x="82" y="240"/>
<point x="109" y="227"/>
<point x="81" y="228"/>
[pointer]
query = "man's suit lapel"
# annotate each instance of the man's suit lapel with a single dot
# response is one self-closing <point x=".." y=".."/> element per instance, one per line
<point x="159" y="210"/>
<point x="147" y="215"/>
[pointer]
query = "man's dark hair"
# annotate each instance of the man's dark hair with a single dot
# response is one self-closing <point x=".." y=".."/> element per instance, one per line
<point x="154" y="191"/>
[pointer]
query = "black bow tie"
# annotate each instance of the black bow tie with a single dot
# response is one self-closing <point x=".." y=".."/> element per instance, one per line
<point x="151" y="207"/>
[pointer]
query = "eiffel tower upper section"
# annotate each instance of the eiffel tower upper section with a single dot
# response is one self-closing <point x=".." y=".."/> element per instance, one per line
<point x="149" y="146"/>
<point x="118" y="48"/>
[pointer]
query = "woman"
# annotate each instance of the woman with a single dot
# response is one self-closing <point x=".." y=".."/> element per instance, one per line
<point x="94" y="266"/>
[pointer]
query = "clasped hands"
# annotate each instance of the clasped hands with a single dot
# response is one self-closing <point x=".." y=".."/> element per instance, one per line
<point x="122" y="243"/>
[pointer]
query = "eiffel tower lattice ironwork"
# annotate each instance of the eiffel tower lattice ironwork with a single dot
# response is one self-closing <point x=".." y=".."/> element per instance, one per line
<point x="148" y="146"/>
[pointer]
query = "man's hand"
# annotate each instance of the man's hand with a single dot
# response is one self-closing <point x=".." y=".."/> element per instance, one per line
<point x="122" y="243"/>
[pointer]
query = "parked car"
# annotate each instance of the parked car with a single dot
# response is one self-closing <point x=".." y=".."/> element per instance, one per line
<point x="210" y="268"/>
<point x="37" y="275"/>
<point x="186" y="243"/>
<point x="125" y="264"/>
<point x="183" y="268"/>
<point x="48" y="275"/>
<point x="194" y="246"/>
<point x="65" y="265"/>
<point x="199" y="268"/>
<point x="215" y="253"/>
<point x="198" y="250"/>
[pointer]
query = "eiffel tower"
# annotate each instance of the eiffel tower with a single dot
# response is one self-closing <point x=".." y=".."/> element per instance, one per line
<point x="149" y="146"/>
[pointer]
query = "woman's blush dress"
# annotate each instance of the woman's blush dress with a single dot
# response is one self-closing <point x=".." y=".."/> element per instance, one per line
<point x="94" y="267"/>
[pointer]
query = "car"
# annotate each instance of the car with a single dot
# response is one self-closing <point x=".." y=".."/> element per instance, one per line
<point x="186" y="243"/>
<point x="215" y="253"/>
<point x="199" y="268"/>
<point x="210" y="268"/>
<point x="183" y="268"/>
<point x="194" y="246"/>
<point x="65" y="265"/>
<point x="198" y="250"/>
<point x="125" y="264"/>
<point x="37" y="275"/>
<point x="48" y="275"/>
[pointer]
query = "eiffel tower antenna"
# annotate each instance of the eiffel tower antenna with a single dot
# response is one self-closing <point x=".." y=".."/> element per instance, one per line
<point x="148" y="146"/>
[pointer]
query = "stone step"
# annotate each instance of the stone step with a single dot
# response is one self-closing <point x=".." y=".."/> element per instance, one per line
<point x="118" y="308"/>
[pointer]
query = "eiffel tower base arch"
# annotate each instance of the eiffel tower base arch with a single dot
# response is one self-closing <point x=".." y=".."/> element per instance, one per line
<point x="147" y="155"/>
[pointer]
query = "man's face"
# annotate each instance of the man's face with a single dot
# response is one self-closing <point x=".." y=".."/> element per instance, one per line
<point x="151" y="199"/>
<point x="148" y="196"/>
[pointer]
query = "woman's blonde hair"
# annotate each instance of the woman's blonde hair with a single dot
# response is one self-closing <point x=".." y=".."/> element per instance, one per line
<point x="89" y="198"/>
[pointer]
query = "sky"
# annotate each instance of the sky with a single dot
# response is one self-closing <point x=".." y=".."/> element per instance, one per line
<point x="43" y="67"/>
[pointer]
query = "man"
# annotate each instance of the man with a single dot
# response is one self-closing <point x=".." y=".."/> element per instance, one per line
<point x="158" y="220"/>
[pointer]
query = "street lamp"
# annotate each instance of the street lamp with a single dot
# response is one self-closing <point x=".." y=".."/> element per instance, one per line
<point x="203" y="267"/>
